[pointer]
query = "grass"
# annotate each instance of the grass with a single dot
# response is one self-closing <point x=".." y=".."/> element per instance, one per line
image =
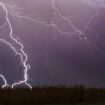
<point x="77" y="95"/>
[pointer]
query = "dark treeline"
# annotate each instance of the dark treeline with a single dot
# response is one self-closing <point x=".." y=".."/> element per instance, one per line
<point x="51" y="95"/>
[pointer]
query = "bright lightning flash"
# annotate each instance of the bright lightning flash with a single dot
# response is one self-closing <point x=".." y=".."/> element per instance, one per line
<point x="20" y="52"/>
<point x="56" y="15"/>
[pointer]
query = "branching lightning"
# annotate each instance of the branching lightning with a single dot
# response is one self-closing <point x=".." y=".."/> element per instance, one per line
<point x="56" y="15"/>
<point x="21" y="52"/>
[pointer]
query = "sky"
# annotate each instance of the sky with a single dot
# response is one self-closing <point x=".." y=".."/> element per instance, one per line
<point x="64" y="41"/>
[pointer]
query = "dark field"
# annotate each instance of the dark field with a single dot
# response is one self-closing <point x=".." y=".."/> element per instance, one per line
<point x="61" y="95"/>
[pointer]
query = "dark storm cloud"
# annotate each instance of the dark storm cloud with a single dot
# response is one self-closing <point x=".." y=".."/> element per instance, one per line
<point x="71" y="60"/>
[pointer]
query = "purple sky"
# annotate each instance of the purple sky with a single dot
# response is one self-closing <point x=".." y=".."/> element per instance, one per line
<point x="56" y="58"/>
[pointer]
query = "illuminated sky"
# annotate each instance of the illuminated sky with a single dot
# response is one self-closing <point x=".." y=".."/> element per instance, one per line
<point x="56" y="57"/>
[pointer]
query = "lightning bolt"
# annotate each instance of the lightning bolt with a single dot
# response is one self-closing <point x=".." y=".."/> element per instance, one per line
<point x="20" y="52"/>
<point x="57" y="15"/>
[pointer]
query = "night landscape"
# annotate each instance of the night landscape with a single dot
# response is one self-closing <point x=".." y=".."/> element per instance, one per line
<point x="52" y="52"/>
